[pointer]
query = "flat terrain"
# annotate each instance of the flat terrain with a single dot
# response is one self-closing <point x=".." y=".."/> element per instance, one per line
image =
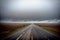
<point x="51" y="27"/>
<point x="29" y="31"/>
<point x="7" y="29"/>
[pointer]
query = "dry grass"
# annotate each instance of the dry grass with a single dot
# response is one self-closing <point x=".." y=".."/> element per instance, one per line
<point x="8" y="28"/>
<point x="51" y="27"/>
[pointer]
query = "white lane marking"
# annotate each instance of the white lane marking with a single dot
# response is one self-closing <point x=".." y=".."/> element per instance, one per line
<point x="20" y="35"/>
<point x="23" y="32"/>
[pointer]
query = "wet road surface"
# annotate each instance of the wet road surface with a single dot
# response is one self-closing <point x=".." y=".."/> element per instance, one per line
<point x="32" y="32"/>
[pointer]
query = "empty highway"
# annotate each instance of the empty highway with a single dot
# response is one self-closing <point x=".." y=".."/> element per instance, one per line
<point x="32" y="32"/>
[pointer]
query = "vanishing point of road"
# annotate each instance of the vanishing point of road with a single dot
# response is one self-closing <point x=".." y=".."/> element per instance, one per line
<point x="32" y="32"/>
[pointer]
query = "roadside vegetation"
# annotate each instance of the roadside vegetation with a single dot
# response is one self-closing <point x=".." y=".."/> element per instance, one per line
<point x="51" y="27"/>
<point x="9" y="28"/>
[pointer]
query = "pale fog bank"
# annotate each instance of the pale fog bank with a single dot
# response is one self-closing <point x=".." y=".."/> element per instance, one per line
<point x="44" y="21"/>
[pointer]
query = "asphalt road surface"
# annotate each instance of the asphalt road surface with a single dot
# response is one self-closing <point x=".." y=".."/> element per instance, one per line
<point x="32" y="32"/>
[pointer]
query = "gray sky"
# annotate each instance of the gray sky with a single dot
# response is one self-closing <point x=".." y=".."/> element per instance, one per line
<point x="29" y="9"/>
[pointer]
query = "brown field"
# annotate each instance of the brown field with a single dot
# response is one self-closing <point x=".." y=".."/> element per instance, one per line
<point x="51" y="27"/>
<point x="8" y="28"/>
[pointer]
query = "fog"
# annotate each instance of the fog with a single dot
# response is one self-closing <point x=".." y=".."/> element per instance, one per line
<point x="17" y="10"/>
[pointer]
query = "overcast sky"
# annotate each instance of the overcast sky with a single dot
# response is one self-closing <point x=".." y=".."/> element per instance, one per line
<point x="29" y="9"/>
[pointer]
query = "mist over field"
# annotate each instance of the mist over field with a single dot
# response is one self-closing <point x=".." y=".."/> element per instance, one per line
<point x="29" y="10"/>
<point x="30" y="20"/>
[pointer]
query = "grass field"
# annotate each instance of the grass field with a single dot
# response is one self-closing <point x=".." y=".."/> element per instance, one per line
<point x="8" y="28"/>
<point x="51" y="27"/>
